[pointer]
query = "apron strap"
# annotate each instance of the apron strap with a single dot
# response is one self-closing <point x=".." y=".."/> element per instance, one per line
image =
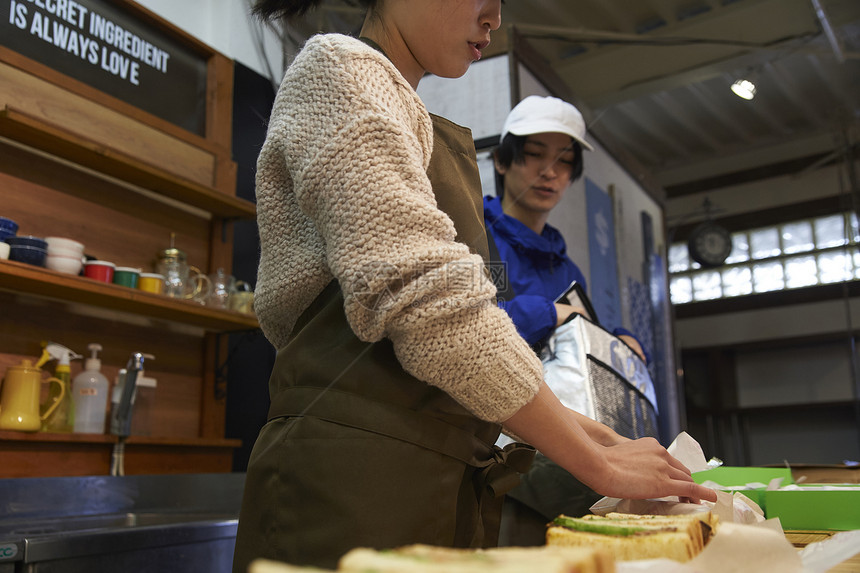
<point x="496" y="480"/>
<point x="501" y="477"/>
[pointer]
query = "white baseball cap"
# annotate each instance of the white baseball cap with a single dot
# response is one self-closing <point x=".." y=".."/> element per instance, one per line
<point x="537" y="114"/>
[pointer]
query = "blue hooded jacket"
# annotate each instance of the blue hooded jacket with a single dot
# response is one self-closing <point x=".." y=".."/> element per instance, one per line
<point x="538" y="271"/>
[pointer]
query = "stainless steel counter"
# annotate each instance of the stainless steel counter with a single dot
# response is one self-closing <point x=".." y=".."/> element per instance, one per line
<point x="133" y="523"/>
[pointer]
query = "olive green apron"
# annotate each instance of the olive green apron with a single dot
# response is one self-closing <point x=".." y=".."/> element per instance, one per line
<point x="359" y="453"/>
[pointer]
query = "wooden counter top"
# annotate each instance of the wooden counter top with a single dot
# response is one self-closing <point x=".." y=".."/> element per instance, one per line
<point x="801" y="539"/>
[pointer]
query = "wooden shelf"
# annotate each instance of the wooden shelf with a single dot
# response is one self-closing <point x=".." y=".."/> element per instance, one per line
<point x="36" y="133"/>
<point x="12" y="436"/>
<point x="31" y="280"/>
<point x="28" y="454"/>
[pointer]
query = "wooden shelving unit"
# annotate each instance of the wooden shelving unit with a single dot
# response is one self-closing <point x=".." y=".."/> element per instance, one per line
<point x="81" y="163"/>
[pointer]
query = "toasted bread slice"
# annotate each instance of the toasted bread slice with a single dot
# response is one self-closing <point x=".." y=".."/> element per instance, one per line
<point x="428" y="559"/>
<point x="269" y="566"/>
<point x="648" y="545"/>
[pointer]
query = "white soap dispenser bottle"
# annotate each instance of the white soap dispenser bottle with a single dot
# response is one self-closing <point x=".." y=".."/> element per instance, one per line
<point x="90" y="393"/>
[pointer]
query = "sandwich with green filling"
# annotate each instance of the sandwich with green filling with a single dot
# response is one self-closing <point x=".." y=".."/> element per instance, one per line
<point x="630" y="537"/>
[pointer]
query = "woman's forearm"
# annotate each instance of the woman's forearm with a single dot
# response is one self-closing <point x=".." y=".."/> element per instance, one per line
<point x="556" y="431"/>
<point x="600" y="433"/>
<point x="636" y="469"/>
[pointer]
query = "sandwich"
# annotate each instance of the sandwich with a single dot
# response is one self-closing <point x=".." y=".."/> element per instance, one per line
<point x="431" y="559"/>
<point x="269" y="566"/>
<point x="629" y="537"/>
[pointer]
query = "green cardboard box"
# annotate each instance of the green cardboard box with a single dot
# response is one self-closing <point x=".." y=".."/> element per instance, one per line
<point x="807" y="508"/>
<point x="729" y="477"/>
<point x="814" y="508"/>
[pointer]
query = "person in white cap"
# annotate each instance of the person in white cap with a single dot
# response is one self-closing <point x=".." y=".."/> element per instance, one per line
<point x="539" y="155"/>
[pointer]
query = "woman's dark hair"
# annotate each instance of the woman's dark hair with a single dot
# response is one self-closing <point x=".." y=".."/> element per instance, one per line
<point x="276" y="9"/>
<point x="510" y="150"/>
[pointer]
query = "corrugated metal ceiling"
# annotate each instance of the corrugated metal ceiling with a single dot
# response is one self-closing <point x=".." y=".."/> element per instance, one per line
<point x="654" y="77"/>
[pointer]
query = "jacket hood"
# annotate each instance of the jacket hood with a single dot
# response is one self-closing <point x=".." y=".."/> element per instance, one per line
<point x="548" y="247"/>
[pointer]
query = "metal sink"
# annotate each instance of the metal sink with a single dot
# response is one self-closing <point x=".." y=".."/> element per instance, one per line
<point x="71" y="525"/>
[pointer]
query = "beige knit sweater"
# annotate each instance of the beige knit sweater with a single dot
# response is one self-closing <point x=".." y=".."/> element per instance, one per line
<point x="342" y="192"/>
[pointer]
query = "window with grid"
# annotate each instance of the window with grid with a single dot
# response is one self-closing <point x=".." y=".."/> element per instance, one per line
<point x="791" y="255"/>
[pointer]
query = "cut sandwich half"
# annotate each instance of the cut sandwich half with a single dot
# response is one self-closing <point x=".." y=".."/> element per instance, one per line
<point x="430" y="559"/>
<point x="270" y="566"/>
<point x="630" y="537"/>
<point x="701" y="525"/>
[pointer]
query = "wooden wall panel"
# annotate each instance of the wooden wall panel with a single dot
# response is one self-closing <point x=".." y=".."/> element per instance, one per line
<point x="50" y="459"/>
<point x="58" y="107"/>
<point x="127" y="230"/>
<point x="154" y="459"/>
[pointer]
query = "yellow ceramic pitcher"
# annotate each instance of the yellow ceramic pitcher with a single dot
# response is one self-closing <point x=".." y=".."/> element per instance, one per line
<point x="19" y="398"/>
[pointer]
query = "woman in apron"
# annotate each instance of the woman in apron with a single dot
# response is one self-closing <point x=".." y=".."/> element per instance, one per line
<point x="395" y="366"/>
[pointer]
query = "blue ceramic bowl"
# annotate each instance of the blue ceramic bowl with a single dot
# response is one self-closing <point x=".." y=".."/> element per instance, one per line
<point x="8" y="225"/>
<point x="28" y="241"/>
<point x="26" y="254"/>
<point x="5" y="234"/>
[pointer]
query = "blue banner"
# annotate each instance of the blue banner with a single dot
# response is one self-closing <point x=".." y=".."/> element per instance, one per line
<point x="603" y="282"/>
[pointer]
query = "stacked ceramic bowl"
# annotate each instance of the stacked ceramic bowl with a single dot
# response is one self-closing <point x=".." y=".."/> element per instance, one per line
<point x="8" y="228"/>
<point x="28" y="249"/>
<point x="64" y="255"/>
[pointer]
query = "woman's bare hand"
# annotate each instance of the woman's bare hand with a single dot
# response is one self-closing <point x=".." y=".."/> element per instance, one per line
<point x="611" y="466"/>
<point x="643" y="469"/>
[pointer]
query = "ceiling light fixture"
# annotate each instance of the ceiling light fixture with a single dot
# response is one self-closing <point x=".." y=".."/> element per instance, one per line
<point x="744" y="88"/>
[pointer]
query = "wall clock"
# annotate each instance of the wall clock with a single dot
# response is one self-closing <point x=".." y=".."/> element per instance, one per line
<point x="709" y="244"/>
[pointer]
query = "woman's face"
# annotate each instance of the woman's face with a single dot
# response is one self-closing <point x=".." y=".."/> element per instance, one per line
<point x="442" y="37"/>
<point x="538" y="183"/>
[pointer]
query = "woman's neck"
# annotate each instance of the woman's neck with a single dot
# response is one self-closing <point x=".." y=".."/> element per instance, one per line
<point x="393" y="45"/>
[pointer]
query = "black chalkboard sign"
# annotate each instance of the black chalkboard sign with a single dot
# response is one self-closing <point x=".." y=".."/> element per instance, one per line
<point x="103" y="45"/>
